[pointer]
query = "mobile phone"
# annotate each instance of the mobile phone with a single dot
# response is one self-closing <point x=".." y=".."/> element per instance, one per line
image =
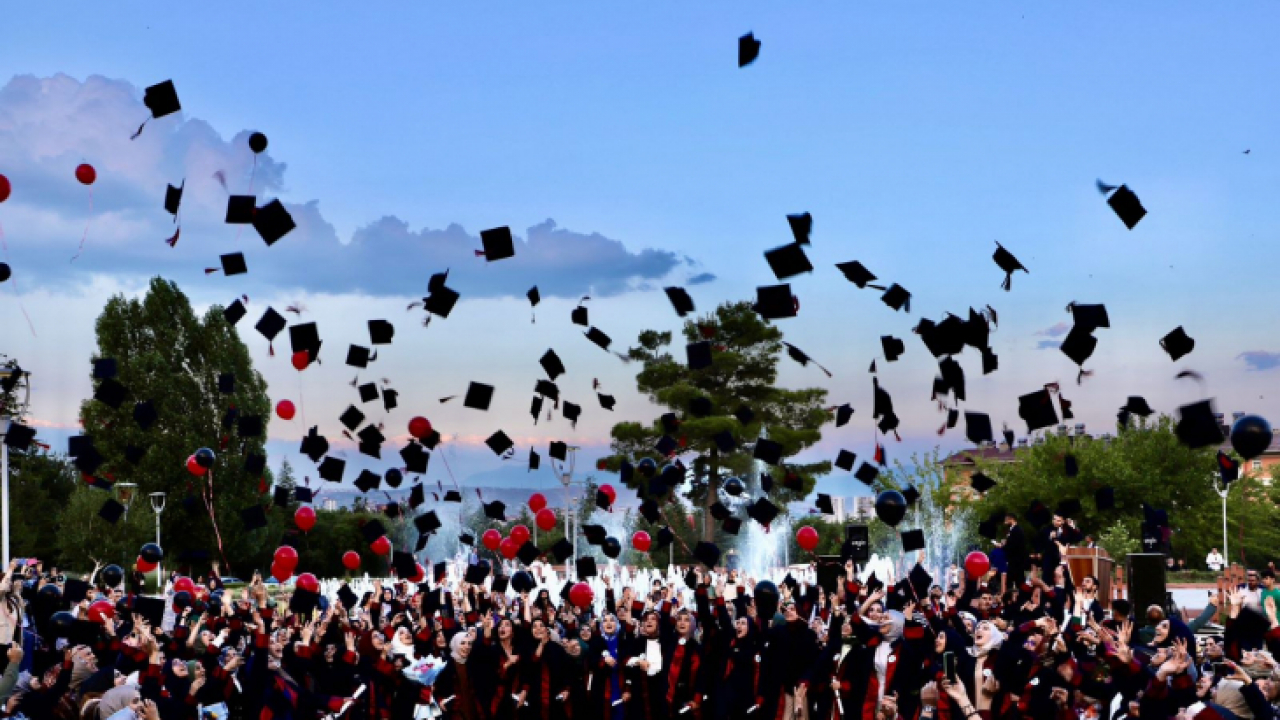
<point x="949" y="665"/>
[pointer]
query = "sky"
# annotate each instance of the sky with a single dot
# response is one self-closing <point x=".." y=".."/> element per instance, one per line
<point x="627" y="152"/>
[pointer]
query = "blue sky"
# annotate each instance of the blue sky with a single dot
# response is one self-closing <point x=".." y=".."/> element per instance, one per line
<point x="917" y="135"/>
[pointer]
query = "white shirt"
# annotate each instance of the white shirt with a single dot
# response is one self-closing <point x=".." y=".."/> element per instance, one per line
<point x="1215" y="561"/>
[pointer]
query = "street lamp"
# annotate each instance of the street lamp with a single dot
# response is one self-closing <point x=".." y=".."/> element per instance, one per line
<point x="125" y="493"/>
<point x="566" y="479"/>
<point x="1222" y="492"/>
<point x="5" y="421"/>
<point x="157" y="504"/>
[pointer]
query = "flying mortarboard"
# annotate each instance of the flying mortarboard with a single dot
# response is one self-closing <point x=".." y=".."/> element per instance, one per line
<point x="233" y="264"/>
<point x="358" y="356"/>
<point x="586" y="567"/>
<point x="161" y="99"/>
<point x="855" y="273"/>
<point x="893" y="347"/>
<point x="823" y="504"/>
<point x="77" y="443"/>
<point x="606" y="401"/>
<point x="595" y="534"/>
<point x="579" y="316"/>
<point x="978" y="427"/>
<point x="104" y="368"/>
<point x="110" y="393"/>
<point x="144" y="413"/>
<point x="718" y="511"/>
<point x="253" y="517"/>
<point x="845" y="460"/>
<point x="427" y="522"/>
<point x="478" y="396"/>
<point x="867" y="473"/>
<point x="801" y="226"/>
<point x="1197" y="427"/>
<point x="666" y="445"/>
<point x="1228" y="468"/>
<point x="698" y="354"/>
<point x="368" y="481"/>
<point x="240" y="209"/>
<point x="303" y="494"/>
<point x="707" y="554"/>
<point x="234" y="312"/>
<point x="381" y="332"/>
<point x="528" y="552"/>
<point x="441" y="301"/>
<point x="389" y="399"/>
<point x="415" y="458"/>
<point x="788" y="261"/>
<point x="680" y="300"/>
<point x="603" y="501"/>
<point x="1089" y="317"/>
<point x="368" y="392"/>
<point x="270" y="324"/>
<point x="762" y="511"/>
<point x="331" y="469"/>
<point x="558" y="450"/>
<point x="911" y="494"/>
<point x="775" y="302"/>
<point x="561" y="550"/>
<point x="249" y="426"/>
<point x="768" y="451"/>
<point x="272" y="222"/>
<point x="347" y="597"/>
<point x="371" y="436"/>
<point x="843" y="414"/>
<point x="535" y="460"/>
<point x="725" y="441"/>
<point x="981" y="483"/>
<point x="990" y="361"/>
<point x="598" y="337"/>
<point x="351" y="418"/>
<point x="1177" y="344"/>
<point x="498" y="244"/>
<point x="499" y="443"/>
<point x="551" y="364"/>
<point x="19" y="437"/>
<point x="254" y="463"/>
<point x="404" y="564"/>
<point x="663" y="539"/>
<point x="1008" y="263"/>
<point x="897" y="298"/>
<point x="571" y="412"/>
<point x="748" y="49"/>
<point x="475" y="574"/>
<point x="495" y="510"/>
<point x="314" y="445"/>
<point x="452" y="496"/>
<point x="651" y="513"/>
<point x="1126" y="206"/>
<point x="1105" y="498"/>
<point x="372" y="530"/>
<point x="111" y="511"/>
<point x="913" y="540"/>
<point x="744" y="414"/>
<point x="1037" y="410"/>
<point x="546" y="388"/>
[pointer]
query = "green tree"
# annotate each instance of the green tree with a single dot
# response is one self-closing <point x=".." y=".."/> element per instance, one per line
<point x="172" y="358"/>
<point x="743" y="372"/>
<point x="1143" y="464"/>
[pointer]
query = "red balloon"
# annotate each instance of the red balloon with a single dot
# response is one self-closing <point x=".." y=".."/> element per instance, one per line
<point x="546" y="519"/>
<point x="308" y="582"/>
<point x="144" y="566"/>
<point x="607" y="489"/>
<point x="351" y="560"/>
<point x="184" y="584"/>
<point x="286" y="556"/>
<point x="420" y="427"/>
<point x="520" y="534"/>
<point x="195" y="468"/>
<point x="581" y="596"/>
<point x="86" y="174"/>
<point x="305" y="518"/>
<point x="381" y="546"/>
<point x="491" y="539"/>
<point x="301" y="360"/>
<point x="281" y="573"/>
<point x="419" y="573"/>
<point x="976" y="564"/>
<point x="537" y="501"/>
<point x="807" y="538"/>
<point x="4" y="188"/>
<point x="509" y="547"/>
<point x="285" y="409"/>
<point x="641" y="541"/>
<point x="101" y="610"/>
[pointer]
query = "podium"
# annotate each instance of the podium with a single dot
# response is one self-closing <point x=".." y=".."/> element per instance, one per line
<point x="1095" y="562"/>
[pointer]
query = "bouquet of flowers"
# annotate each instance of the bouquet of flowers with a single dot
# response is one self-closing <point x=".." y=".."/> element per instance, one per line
<point x="425" y="671"/>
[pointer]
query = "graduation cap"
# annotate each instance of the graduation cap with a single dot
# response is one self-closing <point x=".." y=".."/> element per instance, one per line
<point x="19" y="437"/>
<point x="867" y="473"/>
<point x="144" y="413"/>
<point x="586" y="567"/>
<point x="598" y="337"/>
<point x="680" y="300"/>
<point x="698" y="355"/>
<point x="351" y="417"/>
<point x="255" y="464"/>
<point x="110" y="393"/>
<point x="272" y="222"/>
<point x="1069" y="508"/>
<point x="1137" y="406"/>
<point x="249" y="426"/>
<point x="1126" y="206"/>
<point x="415" y="458"/>
<point x="663" y="539"/>
<point x="370" y="437"/>
<point x="579" y="316"/>
<point x="495" y="510"/>
<point x="823" y="504"/>
<point x="240" y="209"/>
<point x="417" y="496"/>
<point x="281" y="497"/>
<point x="571" y="412"/>
<point x="768" y="451"/>
<point x="650" y="512"/>
<point x="799" y="356"/>
<point x="744" y="414"/>
<point x="788" y="261"/>
<point x="499" y="443"/>
<point x="845" y="460"/>
<point x="1197" y="427"/>
<point x="389" y="399"/>
<point x="104" y="368"/>
<point x="451" y="496"/>
<point x="1070" y="466"/>
<point x="475" y="574"/>
<point x="843" y="414"/>
<point x="467" y="539"/>
<point x="1228" y="468"/>
<point x="980" y="482"/>
<point x="161" y="99"/>
<point x="990" y="361"/>
<point x="498" y="244"/>
<point x="558" y="450"/>
<point x="762" y="511"/>
<point x="911" y="494"/>
<point x="535" y="460"/>
<point x="528" y="552"/>
<point x="561" y="550"/>
<point x="897" y="298"/>
<point x="381" y="332"/>
<point x="603" y="501"/>
<point x="725" y="441"/>
<point x="595" y="534"/>
<point x="427" y="522"/>
<point x="700" y="407"/>
<point x="893" y="347"/>
<point x="368" y="392"/>
<point x="232" y="264"/>
<point x="1078" y="345"/>
<point x="149" y="608"/>
<point x="1008" y="263"/>
<point x="801" y="226"/>
<point x="77" y="443"/>
<point x="551" y="364"/>
<point x="111" y="511"/>
<point x="331" y="469"/>
<point x="666" y="445"/>
<point x="952" y="377"/>
<point x="303" y="494"/>
<point x="606" y="401"/>
<point x="990" y="528"/>
<point x="441" y="301"/>
<point x="775" y="302"/>
<point x="1089" y="317"/>
<point x="372" y="530"/>
<point x="919" y="578"/>
<point x="227" y="383"/>
<point x="233" y="312"/>
<point x="253" y="517"/>
<point x="347" y="597"/>
<point x="707" y="553"/>
<point x="404" y="564"/>
<point x="270" y="324"/>
<point x="1104" y="498"/>
<point x="1177" y="344"/>
<point x="1037" y="410"/>
<point x="546" y="388"/>
<point x="1038" y="514"/>
<point x="855" y="273"/>
<point x="358" y="356"/>
<point x="748" y="49"/>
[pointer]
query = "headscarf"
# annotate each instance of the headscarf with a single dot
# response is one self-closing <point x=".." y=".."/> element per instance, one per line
<point x="402" y="648"/>
<point x="455" y="648"/>
<point x="997" y="639"/>
<point x="896" y="622"/>
<point x="115" y="700"/>
<point x="1228" y="696"/>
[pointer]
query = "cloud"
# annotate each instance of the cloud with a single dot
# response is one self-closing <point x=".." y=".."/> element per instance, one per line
<point x="1260" y="360"/>
<point x="48" y="126"/>
<point x="701" y="279"/>
<point x="1048" y="345"/>
<point x="1054" y="331"/>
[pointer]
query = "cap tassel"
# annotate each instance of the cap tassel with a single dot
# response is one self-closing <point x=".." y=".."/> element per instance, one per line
<point x="1008" y="281"/>
<point x="942" y="430"/>
<point x="271" y="349"/>
<point x="210" y="271"/>
<point x="479" y="253"/>
<point x="173" y="241"/>
<point x="139" y="131"/>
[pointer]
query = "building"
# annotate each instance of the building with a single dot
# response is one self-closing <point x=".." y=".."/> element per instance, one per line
<point x="329" y="504"/>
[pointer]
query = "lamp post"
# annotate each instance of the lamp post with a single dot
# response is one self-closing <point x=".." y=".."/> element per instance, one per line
<point x="570" y="519"/>
<point x="1222" y="488"/>
<point x="157" y="505"/>
<point x="6" y="419"/>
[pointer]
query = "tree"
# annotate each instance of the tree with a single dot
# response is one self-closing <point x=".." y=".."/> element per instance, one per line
<point x="165" y="354"/>
<point x="1143" y="464"/>
<point x="745" y="352"/>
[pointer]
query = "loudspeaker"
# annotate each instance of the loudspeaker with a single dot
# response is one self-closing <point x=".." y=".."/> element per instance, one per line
<point x="857" y="546"/>
<point x="1145" y="573"/>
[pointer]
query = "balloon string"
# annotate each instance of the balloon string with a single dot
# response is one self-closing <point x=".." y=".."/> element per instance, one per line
<point x="14" y="281"/>
<point x="87" y="223"/>
<point x="213" y="517"/>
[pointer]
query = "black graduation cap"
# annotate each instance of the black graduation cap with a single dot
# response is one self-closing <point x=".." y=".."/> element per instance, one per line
<point x="579" y="316"/>
<point x="911" y="494"/>
<point x="389" y="399"/>
<point x="144" y="413"/>
<point x="351" y="418"/>
<point x="161" y="99"/>
<point x="546" y="388"/>
<point x="561" y="550"/>
<point x="768" y="451"/>
<point x="110" y="393"/>
<point x="498" y="244"/>
<point x="415" y="458"/>
<point x="152" y="609"/>
<point x="598" y="337"/>
<point x="1105" y="498"/>
<point x="952" y="377"/>
<point x="19" y="437"/>
<point x="1070" y="466"/>
<point x="801" y="357"/>
<point x="663" y="539"/>
<point x="1038" y="514"/>
<point x="571" y="412"/>
<point x="680" y="300"/>
<point x="893" y="347"/>
<point x="281" y="497"/>
<point x="427" y="522"/>
<point x="467" y="539"/>
<point x="1008" y="263"/>
<point x="372" y="530"/>
<point x="418" y="496"/>
<point x="104" y="368"/>
<point x="602" y="500"/>
<point x="368" y="481"/>
<point x="744" y="414"/>
<point x="404" y="564"/>
<point x="77" y="443"/>
<point x="725" y="441"/>
<point x="558" y="450"/>
<point x="528" y="552"/>
<point x="801" y="226"/>
<point x="990" y="361"/>
<point x="303" y="494"/>
<point x="551" y="364"/>
<point x="253" y="517"/>
<point x="762" y="511"/>
<point x="441" y="301"/>
<point x="535" y="460"/>
<point x="913" y="540"/>
<point x="111" y="511"/>
<point x="475" y="574"/>
<point x="314" y="445"/>
<point x="240" y="209"/>
<point x="1089" y="317"/>
<point x="775" y="302"/>
<point x="270" y="324"/>
<point x="1197" y="427"/>
<point x="233" y="312"/>
<point x="452" y="496"/>
<point x="845" y="460"/>
<point x="606" y="401"/>
<point x="990" y="528"/>
<point x="843" y="414"/>
<point x="586" y="567"/>
<point x="1137" y="406"/>
<point x="788" y="261"/>
<point x="368" y="392"/>
<point x="1069" y="508"/>
<point x="227" y="383"/>
<point x="370" y="437"/>
<point x="495" y="510"/>
<point x="650" y="512"/>
<point x="381" y="332"/>
<point x="666" y="445"/>
<point x="855" y="273"/>
<point x="331" y="469"/>
<point x="1127" y="206"/>
<point x="255" y="464"/>
<point x="499" y="443"/>
<point x="823" y="504"/>
<point x="233" y="264"/>
<point x="595" y="534"/>
<point x="748" y="49"/>
<point x="980" y="482"/>
<point x="920" y="578"/>
<point x="867" y="473"/>
<point x="707" y="553"/>
<point x="249" y="426"/>
<point x="358" y="356"/>
<point x="1177" y="344"/>
<point x="1228" y="468"/>
<point x="718" y="511"/>
<point x="1037" y="410"/>
<point x="347" y="597"/>
<point x="478" y="396"/>
<point x="272" y="222"/>
<point x="1078" y="345"/>
<point x="978" y="427"/>
<point x="698" y="355"/>
<point x="897" y="298"/>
